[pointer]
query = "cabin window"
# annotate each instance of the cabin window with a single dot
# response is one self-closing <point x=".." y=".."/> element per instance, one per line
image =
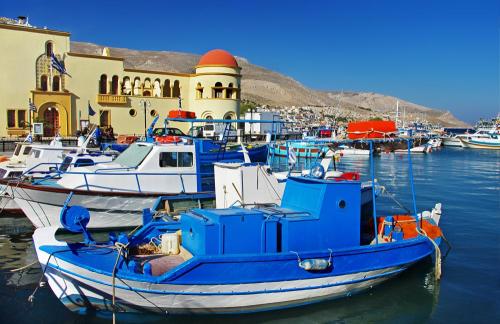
<point x="17" y="150"/>
<point x="133" y="155"/>
<point x="11" y="118"/>
<point x="65" y="164"/>
<point x="35" y="154"/>
<point x="176" y="159"/>
<point x="27" y="150"/>
<point x="15" y="174"/>
<point x="84" y="162"/>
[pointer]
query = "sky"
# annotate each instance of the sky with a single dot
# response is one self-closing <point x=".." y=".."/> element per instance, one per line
<point x="440" y="54"/>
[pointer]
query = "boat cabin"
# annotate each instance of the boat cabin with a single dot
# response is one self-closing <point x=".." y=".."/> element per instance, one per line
<point x="181" y="165"/>
<point x="329" y="214"/>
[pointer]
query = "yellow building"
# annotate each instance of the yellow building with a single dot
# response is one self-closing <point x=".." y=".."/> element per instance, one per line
<point x="117" y="94"/>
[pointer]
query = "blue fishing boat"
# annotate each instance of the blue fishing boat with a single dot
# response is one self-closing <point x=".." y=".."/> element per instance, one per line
<point x="320" y="243"/>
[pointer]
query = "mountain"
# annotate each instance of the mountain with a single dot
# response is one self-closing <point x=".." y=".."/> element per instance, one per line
<point x="264" y="86"/>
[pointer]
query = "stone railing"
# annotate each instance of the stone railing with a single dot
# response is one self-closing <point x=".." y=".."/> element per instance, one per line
<point x="111" y="99"/>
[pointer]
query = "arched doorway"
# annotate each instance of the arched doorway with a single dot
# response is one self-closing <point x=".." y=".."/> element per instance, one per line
<point x="50" y="122"/>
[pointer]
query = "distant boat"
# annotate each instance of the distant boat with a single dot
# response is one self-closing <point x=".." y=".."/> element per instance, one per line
<point x="490" y="143"/>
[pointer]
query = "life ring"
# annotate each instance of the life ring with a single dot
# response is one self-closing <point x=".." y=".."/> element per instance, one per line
<point x="168" y="139"/>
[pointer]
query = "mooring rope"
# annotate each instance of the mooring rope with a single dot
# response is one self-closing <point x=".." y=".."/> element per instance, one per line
<point x="437" y="263"/>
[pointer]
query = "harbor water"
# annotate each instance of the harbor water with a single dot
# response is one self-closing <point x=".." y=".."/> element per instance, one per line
<point x="466" y="182"/>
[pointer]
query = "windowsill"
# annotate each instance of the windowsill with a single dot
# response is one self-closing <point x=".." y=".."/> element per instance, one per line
<point x="216" y="99"/>
<point x="153" y="97"/>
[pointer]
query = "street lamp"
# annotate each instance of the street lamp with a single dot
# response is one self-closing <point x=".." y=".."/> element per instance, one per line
<point x="146" y="104"/>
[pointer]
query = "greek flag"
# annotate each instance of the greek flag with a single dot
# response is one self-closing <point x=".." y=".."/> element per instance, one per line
<point x="32" y="106"/>
<point x="91" y="111"/>
<point x="29" y="138"/>
<point x="57" y="65"/>
<point x="292" y="157"/>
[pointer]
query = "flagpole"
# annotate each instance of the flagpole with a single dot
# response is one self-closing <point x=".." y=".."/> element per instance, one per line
<point x="30" y="111"/>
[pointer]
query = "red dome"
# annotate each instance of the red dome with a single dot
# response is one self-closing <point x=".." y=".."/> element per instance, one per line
<point x="218" y="57"/>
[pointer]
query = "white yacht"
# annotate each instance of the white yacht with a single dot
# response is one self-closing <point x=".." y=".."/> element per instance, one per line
<point x="117" y="192"/>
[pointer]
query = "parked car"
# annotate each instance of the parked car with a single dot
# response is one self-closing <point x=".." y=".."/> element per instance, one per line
<point x="160" y="131"/>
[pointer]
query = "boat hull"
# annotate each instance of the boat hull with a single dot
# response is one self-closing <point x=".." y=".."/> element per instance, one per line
<point x="81" y="289"/>
<point x="451" y="141"/>
<point x="493" y="145"/>
<point x="43" y="204"/>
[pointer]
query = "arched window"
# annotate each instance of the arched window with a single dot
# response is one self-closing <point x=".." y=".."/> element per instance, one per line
<point x="199" y="91"/>
<point x="176" y="91"/>
<point x="137" y="86"/>
<point x="167" y="92"/>
<point x="49" y="48"/>
<point x="127" y="86"/>
<point x="56" y="83"/>
<point x="229" y="115"/>
<point x="157" y="88"/>
<point x="217" y="90"/>
<point x="114" y="85"/>
<point x="147" y="88"/>
<point x="103" y="84"/>
<point x="229" y="91"/>
<point x="43" y="83"/>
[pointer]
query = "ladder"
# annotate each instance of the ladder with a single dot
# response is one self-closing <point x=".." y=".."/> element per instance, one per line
<point x="223" y="142"/>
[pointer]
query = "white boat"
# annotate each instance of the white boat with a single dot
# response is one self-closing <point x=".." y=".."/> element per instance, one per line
<point x="37" y="161"/>
<point x="421" y="149"/>
<point x="346" y="150"/>
<point x="492" y="142"/>
<point x="451" y="141"/>
<point x="435" y="142"/>
<point x="481" y="133"/>
<point x="117" y="192"/>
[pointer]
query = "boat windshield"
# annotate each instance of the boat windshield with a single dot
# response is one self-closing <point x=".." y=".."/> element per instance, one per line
<point x="133" y="155"/>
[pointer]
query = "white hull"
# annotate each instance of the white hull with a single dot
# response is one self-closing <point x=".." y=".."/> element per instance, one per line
<point x="73" y="285"/>
<point x="490" y="145"/>
<point x="451" y="141"/>
<point x="355" y="152"/>
<point x="6" y="202"/>
<point x="43" y="208"/>
<point x="418" y="150"/>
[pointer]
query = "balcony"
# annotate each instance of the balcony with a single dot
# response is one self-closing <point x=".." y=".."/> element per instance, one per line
<point x="109" y="99"/>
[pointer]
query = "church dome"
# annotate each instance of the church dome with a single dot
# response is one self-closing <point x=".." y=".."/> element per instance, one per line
<point x="218" y="57"/>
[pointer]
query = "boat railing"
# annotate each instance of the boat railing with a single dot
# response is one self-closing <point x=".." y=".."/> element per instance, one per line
<point x="136" y="175"/>
<point x="56" y="166"/>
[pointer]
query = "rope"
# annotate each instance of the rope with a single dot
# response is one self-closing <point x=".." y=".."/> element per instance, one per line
<point x="120" y="247"/>
<point x="31" y="297"/>
<point x="24" y="267"/>
<point x="437" y="263"/>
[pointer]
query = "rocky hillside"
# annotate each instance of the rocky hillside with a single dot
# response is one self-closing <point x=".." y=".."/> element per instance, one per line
<point x="264" y="86"/>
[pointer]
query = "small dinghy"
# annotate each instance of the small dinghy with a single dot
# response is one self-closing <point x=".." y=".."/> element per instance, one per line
<point x="319" y="244"/>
